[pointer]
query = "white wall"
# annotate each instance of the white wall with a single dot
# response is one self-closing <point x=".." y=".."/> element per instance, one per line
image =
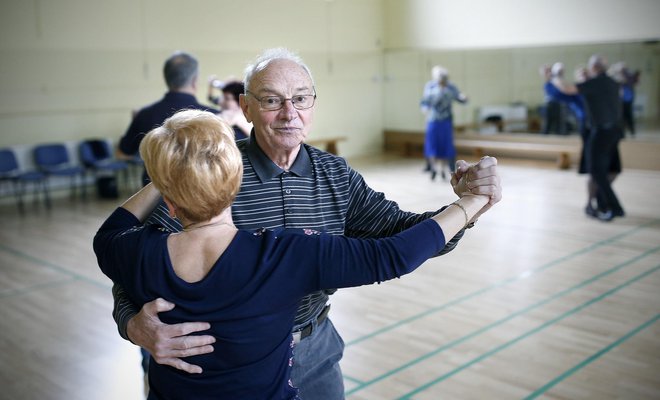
<point x="74" y="69"/>
<point x="470" y="24"/>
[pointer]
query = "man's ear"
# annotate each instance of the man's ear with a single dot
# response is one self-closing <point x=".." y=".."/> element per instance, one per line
<point x="193" y="83"/>
<point x="242" y="101"/>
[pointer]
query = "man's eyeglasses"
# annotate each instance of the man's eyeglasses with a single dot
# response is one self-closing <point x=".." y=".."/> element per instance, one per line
<point x="274" y="103"/>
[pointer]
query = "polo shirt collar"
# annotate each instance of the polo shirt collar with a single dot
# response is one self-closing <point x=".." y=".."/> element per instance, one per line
<point x="267" y="169"/>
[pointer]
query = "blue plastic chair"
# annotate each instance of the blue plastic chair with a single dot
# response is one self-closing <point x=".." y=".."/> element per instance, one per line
<point x="11" y="172"/>
<point x="53" y="160"/>
<point x="96" y="156"/>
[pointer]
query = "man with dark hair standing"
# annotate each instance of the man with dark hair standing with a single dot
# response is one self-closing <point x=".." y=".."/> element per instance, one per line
<point x="603" y="102"/>
<point x="180" y="72"/>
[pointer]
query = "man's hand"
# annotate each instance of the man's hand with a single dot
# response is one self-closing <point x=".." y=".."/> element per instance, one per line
<point x="168" y="343"/>
<point x="478" y="178"/>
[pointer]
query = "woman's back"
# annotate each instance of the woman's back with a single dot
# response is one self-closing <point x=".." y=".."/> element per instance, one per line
<point x="250" y="302"/>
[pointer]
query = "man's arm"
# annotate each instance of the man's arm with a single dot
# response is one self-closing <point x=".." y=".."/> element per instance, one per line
<point x="128" y="144"/>
<point x="123" y="310"/>
<point x="167" y="344"/>
<point x="370" y="214"/>
<point x="564" y="87"/>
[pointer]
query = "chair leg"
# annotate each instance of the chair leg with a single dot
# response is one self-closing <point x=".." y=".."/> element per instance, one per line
<point x="44" y="185"/>
<point x="18" y="192"/>
<point x="72" y="187"/>
<point x="83" y="186"/>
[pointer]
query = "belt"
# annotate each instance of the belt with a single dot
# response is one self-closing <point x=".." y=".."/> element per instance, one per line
<point x="307" y="330"/>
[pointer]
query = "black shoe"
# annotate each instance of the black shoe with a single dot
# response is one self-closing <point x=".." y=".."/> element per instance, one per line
<point x="433" y="175"/>
<point x="619" y="213"/>
<point x="444" y="176"/>
<point x="427" y="168"/>
<point x="590" y="211"/>
<point x="605" y="216"/>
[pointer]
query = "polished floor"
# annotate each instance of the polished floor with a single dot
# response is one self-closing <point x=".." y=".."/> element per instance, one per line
<point x="538" y="301"/>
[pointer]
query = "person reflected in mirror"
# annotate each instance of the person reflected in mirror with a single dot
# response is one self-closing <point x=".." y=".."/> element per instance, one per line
<point x="436" y="104"/>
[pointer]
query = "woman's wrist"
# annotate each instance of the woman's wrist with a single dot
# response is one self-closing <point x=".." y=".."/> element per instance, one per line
<point x="471" y="205"/>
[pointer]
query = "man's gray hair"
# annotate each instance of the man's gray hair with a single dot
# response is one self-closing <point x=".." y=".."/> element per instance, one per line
<point x="597" y="63"/>
<point x="180" y="70"/>
<point x="265" y="58"/>
<point x="438" y="72"/>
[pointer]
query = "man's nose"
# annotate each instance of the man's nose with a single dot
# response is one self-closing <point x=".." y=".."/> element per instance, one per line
<point x="288" y="109"/>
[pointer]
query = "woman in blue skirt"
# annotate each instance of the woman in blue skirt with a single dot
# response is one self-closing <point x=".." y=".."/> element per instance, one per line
<point x="439" y="94"/>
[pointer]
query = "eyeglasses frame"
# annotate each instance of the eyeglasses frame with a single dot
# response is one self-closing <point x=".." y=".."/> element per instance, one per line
<point x="247" y="92"/>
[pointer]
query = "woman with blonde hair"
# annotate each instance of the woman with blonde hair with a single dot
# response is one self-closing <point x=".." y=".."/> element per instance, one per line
<point x="245" y="284"/>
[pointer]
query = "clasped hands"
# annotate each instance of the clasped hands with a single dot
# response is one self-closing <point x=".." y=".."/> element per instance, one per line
<point x="480" y="178"/>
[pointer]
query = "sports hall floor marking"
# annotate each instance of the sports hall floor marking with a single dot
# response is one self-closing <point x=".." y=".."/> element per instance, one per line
<point x="519" y="277"/>
<point x="362" y="384"/>
<point x="501" y="321"/>
<point x="54" y="267"/>
<point x="529" y="333"/>
<point x="592" y="358"/>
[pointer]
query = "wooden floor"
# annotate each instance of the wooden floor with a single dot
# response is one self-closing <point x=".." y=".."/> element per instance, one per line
<point x="538" y="301"/>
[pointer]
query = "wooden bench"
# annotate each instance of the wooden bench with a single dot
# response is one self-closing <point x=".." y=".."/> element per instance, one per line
<point x="481" y="147"/>
<point x="327" y="144"/>
<point x="524" y="145"/>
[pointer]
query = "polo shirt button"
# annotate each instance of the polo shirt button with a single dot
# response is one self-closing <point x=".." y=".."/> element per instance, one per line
<point x="287" y="191"/>
<point x="288" y="211"/>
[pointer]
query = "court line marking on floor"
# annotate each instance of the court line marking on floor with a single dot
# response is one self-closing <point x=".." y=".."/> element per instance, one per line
<point x="527" y="334"/>
<point x="348" y="378"/>
<point x="523" y="275"/>
<point x="54" y="267"/>
<point x="501" y="321"/>
<point x="33" y="288"/>
<point x="592" y="358"/>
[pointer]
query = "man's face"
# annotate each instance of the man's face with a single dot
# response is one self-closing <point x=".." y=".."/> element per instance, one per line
<point x="280" y="130"/>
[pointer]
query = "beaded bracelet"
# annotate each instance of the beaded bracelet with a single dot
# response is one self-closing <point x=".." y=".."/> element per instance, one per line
<point x="467" y="219"/>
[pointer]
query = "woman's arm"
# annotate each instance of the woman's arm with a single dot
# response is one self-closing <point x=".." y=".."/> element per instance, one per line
<point x="142" y="203"/>
<point x="116" y="242"/>
<point x="458" y="215"/>
<point x="564" y="86"/>
<point x="339" y="261"/>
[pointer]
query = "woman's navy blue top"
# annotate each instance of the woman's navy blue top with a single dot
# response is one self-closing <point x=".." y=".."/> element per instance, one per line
<point x="250" y="296"/>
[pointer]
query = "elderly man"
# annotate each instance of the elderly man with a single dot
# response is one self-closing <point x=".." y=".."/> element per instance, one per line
<point x="602" y="98"/>
<point x="287" y="183"/>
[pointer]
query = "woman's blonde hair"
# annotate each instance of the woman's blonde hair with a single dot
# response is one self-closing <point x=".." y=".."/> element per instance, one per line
<point x="193" y="161"/>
